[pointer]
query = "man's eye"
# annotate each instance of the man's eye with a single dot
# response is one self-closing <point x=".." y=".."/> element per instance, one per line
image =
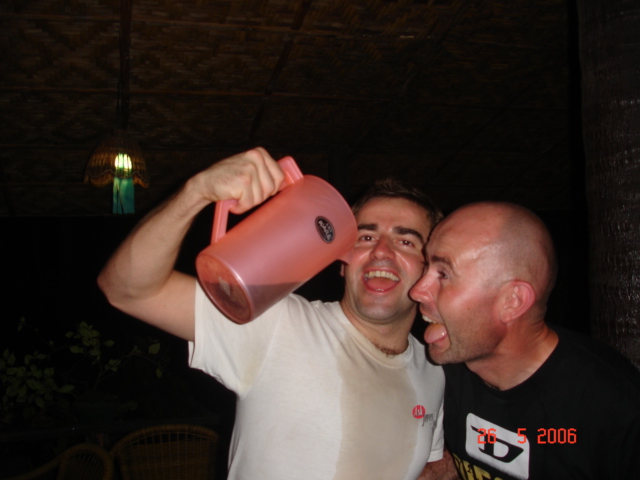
<point x="365" y="238"/>
<point x="408" y="243"/>
<point x="443" y="275"/>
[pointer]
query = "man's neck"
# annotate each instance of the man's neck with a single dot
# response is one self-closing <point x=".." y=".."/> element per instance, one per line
<point x="390" y="337"/>
<point x="516" y="359"/>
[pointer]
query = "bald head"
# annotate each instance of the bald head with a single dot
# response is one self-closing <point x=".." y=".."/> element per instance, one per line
<point x="514" y="244"/>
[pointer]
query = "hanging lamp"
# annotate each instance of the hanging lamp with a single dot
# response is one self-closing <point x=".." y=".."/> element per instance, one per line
<point x="118" y="158"/>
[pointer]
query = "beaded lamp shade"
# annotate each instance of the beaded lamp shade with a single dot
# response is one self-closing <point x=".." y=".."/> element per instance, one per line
<point x="118" y="156"/>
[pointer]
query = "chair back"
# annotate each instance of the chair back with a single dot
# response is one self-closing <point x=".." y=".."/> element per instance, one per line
<point x="84" y="461"/>
<point x="167" y="452"/>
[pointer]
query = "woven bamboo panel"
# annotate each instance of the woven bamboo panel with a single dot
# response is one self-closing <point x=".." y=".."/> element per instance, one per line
<point x="404" y="18"/>
<point x="353" y="67"/>
<point x="504" y="167"/>
<point x="171" y="58"/>
<point x="83" y="8"/>
<point x="192" y="121"/>
<point x="549" y="89"/>
<point x="519" y="23"/>
<point x="433" y="128"/>
<point x="524" y="131"/>
<point x="43" y="165"/>
<point x="47" y="118"/>
<point x="59" y="52"/>
<point x="480" y="74"/>
<point x="417" y="168"/>
<point x="317" y="123"/>
<point x="468" y="98"/>
<point x="273" y="13"/>
<point x="550" y="169"/>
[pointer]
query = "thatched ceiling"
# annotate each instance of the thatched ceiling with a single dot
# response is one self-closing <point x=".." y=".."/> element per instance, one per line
<point x="472" y="99"/>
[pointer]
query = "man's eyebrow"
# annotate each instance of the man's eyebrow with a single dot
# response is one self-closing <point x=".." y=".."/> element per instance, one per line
<point x="445" y="260"/>
<point x="368" y="226"/>
<point x="409" y="231"/>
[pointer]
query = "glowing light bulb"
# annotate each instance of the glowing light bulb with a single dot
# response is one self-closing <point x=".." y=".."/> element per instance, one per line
<point x="123" y="165"/>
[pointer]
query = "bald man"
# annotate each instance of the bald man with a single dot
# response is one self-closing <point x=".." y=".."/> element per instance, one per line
<point x="523" y="400"/>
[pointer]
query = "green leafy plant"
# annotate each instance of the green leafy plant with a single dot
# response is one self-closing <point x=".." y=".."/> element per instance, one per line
<point x="86" y="342"/>
<point x="33" y="392"/>
<point x="41" y="387"/>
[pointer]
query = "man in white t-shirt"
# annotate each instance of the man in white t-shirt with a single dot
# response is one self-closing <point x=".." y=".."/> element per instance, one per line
<point x="325" y="390"/>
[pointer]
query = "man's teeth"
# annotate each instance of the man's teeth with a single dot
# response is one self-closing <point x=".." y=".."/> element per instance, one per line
<point x="427" y="319"/>
<point x="383" y="274"/>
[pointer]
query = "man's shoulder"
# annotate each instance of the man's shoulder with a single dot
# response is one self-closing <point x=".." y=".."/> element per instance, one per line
<point x="600" y="357"/>
<point x="297" y="304"/>
<point x="297" y="315"/>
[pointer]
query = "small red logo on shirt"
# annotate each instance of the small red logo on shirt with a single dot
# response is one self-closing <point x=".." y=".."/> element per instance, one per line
<point x="418" y="411"/>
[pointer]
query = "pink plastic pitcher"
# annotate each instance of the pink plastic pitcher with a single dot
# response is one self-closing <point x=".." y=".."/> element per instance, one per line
<point x="284" y="243"/>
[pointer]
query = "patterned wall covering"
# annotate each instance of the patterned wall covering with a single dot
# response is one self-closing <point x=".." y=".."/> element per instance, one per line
<point x="471" y="99"/>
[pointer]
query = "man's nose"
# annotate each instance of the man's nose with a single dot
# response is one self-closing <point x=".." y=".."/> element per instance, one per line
<point x="383" y="249"/>
<point x="421" y="291"/>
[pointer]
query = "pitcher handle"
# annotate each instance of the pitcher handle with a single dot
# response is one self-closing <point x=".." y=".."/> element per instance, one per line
<point x="292" y="174"/>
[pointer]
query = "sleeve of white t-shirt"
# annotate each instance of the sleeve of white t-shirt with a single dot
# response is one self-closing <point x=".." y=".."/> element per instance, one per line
<point x="233" y="354"/>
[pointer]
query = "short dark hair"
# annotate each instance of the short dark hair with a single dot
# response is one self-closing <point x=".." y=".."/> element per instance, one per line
<point x="392" y="188"/>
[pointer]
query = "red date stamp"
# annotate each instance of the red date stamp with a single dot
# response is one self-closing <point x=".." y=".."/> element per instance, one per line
<point x="545" y="435"/>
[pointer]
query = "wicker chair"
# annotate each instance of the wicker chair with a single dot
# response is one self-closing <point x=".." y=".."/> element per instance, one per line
<point x="167" y="452"/>
<point x="84" y="461"/>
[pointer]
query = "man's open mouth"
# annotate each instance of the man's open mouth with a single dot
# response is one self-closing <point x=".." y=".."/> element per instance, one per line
<point x="381" y="274"/>
<point x="427" y="319"/>
<point x="380" y="280"/>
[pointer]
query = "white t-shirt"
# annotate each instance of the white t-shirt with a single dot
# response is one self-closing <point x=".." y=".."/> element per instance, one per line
<point x="316" y="399"/>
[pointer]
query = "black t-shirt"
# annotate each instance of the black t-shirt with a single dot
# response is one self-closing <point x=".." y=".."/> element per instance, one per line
<point x="576" y="417"/>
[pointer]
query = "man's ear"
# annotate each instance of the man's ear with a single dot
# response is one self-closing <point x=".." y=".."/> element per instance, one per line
<point x="518" y="297"/>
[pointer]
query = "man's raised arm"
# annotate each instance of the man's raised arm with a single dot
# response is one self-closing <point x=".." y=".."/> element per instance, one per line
<point x="140" y="279"/>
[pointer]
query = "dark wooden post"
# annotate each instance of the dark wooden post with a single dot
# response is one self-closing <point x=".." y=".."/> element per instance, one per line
<point x="609" y="34"/>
